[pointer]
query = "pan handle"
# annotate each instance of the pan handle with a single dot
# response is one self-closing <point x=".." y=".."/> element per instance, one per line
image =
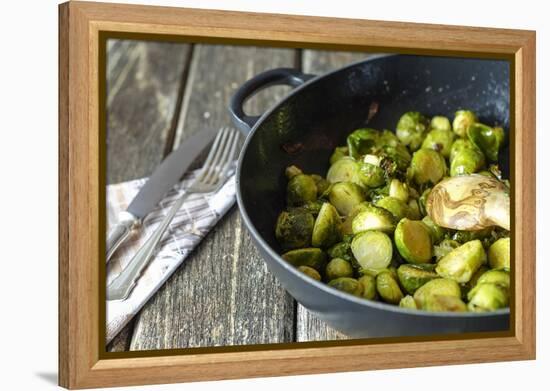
<point x="277" y="76"/>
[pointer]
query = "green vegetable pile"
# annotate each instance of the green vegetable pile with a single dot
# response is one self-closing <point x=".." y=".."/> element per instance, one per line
<point x="363" y="229"/>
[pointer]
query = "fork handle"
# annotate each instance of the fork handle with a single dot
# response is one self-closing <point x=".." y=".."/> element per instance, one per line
<point x="122" y="285"/>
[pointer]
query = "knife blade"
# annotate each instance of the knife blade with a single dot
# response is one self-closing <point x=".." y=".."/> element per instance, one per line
<point x="164" y="177"/>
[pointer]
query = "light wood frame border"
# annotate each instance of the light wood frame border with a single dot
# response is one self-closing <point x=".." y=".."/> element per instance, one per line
<point x="81" y="364"/>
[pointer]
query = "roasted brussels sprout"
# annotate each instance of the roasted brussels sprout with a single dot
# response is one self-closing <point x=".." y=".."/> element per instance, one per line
<point x="443" y="303"/>
<point x="310" y="272"/>
<point x="487" y="297"/>
<point x="463" y="119"/>
<point x="408" y="302"/>
<point x="487" y="139"/>
<point x="399" y="190"/>
<point x="440" y="140"/>
<point x="411" y="129"/>
<point x="294" y="229"/>
<point x="461" y="263"/>
<point x="413" y="241"/>
<point x="388" y="288"/>
<point x="413" y="277"/>
<point x="345" y="169"/>
<point x="339" y="153"/>
<point x="292" y="171"/>
<point x="348" y="285"/>
<point x="326" y="230"/>
<point x="372" y="250"/>
<point x="467" y="161"/>
<point x="373" y="218"/>
<point x="337" y="268"/>
<point x="428" y="166"/>
<point x="414" y="210"/>
<point x="440" y="122"/>
<point x="312" y="257"/>
<point x="344" y="196"/>
<point x="371" y="175"/>
<point x="362" y="141"/>
<point x="499" y="254"/>
<point x="301" y="189"/>
<point x="439" y="286"/>
<point x="436" y="232"/>
<point x="321" y="183"/>
<point x="341" y="250"/>
<point x="369" y="286"/>
<point x="498" y="277"/>
<point x="395" y="206"/>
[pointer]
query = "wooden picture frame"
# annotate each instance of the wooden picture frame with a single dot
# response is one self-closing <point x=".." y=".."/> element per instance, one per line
<point x="82" y="359"/>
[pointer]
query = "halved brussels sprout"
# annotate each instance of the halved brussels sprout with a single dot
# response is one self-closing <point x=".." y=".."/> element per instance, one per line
<point x="300" y="189"/>
<point x="437" y="233"/>
<point x="498" y="277"/>
<point x="428" y="166"/>
<point x="337" y="268"/>
<point x="487" y="297"/>
<point x="499" y="254"/>
<point x="345" y="169"/>
<point x="459" y="145"/>
<point x="387" y="138"/>
<point x="326" y="230"/>
<point x="339" y="153"/>
<point x="408" y="302"/>
<point x="398" y="154"/>
<point x="487" y="139"/>
<point x="369" y="286"/>
<point x="461" y="263"/>
<point x="442" y="303"/>
<point x="345" y="195"/>
<point x="439" y="140"/>
<point x="371" y="175"/>
<point x="395" y="206"/>
<point x="413" y="241"/>
<point x="440" y="122"/>
<point x="373" y="218"/>
<point x="312" y="257"/>
<point x="444" y="248"/>
<point x="348" y="285"/>
<point x="399" y="190"/>
<point x="467" y="161"/>
<point x="362" y="141"/>
<point x="310" y="272"/>
<point x="413" y="277"/>
<point x="439" y="286"/>
<point x="294" y="229"/>
<point x="411" y="129"/>
<point x="372" y="250"/>
<point x="388" y="288"/>
<point x="463" y="119"/>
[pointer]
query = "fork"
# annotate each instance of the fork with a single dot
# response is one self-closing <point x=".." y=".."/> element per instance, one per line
<point x="210" y="178"/>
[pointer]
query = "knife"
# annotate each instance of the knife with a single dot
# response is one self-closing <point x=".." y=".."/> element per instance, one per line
<point x="165" y="176"/>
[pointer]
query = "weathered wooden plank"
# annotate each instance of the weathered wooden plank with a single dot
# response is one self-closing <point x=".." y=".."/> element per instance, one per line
<point x="143" y="81"/>
<point x="222" y="294"/>
<point x="308" y="327"/>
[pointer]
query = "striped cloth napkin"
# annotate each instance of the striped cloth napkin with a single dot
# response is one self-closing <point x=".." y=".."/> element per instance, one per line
<point x="197" y="216"/>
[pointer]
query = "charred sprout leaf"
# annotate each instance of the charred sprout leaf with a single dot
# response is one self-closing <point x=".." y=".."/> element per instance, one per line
<point x="399" y="190"/>
<point x="345" y="169"/>
<point x="499" y="254"/>
<point x="398" y="154"/>
<point x="312" y="257"/>
<point x="439" y="286"/>
<point x="487" y="297"/>
<point x="413" y="241"/>
<point x="439" y="140"/>
<point x="428" y="166"/>
<point x="395" y="206"/>
<point x="301" y="189"/>
<point x="337" y="268"/>
<point x="408" y="302"/>
<point x="369" y="286"/>
<point x="339" y="153"/>
<point x="411" y="129"/>
<point x="294" y="229"/>
<point x="413" y="277"/>
<point x="437" y="233"/>
<point x="461" y="263"/>
<point x="444" y="248"/>
<point x="440" y="123"/>
<point x="326" y="230"/>
<point x="442" y="303"/>
<point x="372" y="250"/>
<point x="463" y="119"/>
<point x="373" y="218"/>
<point x="345" y="195"/>
<point x="310" y="272"/>
<point x="388" y="288"/>
<point x="487" y="139"/>
<point x="361" y="142"/>
<point x="348" y="285"/>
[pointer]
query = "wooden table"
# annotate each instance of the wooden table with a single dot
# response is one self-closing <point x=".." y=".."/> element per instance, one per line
<point x="158" y="95"/>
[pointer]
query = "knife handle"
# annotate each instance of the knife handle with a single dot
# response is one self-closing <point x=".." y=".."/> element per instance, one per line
<point x="120" y="232"/>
